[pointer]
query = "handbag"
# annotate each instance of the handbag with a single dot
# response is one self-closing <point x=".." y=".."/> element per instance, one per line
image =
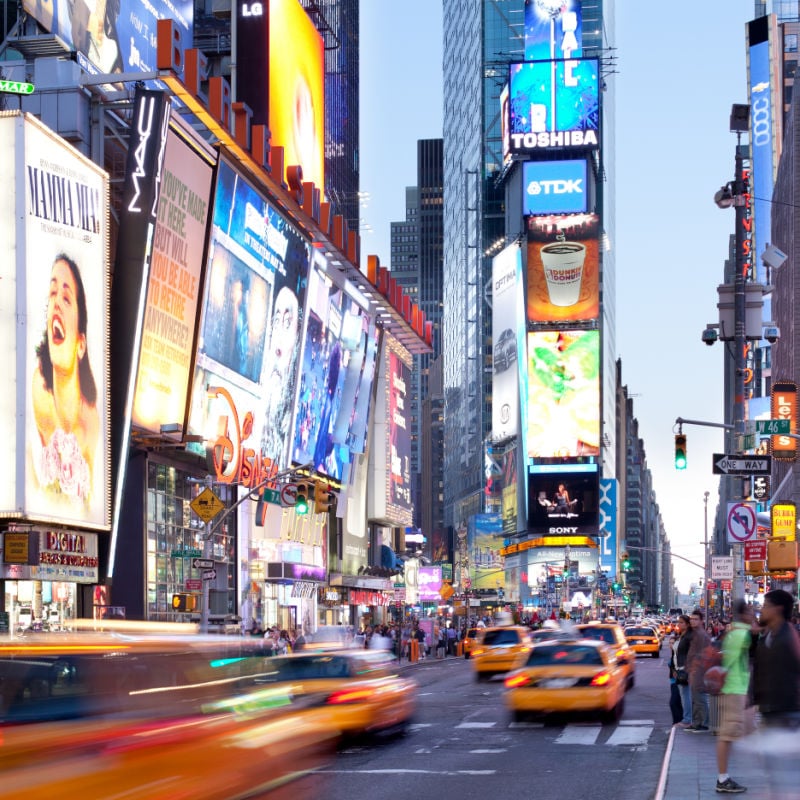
<point x="681" y="677"/>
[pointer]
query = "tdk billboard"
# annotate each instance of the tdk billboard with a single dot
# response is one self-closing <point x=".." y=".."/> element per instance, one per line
<point x="554" y="187"/>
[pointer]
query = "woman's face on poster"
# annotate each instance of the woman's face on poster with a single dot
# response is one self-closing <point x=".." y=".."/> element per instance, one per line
<point x="284" y="331"/>
<point x="66" y="344"/>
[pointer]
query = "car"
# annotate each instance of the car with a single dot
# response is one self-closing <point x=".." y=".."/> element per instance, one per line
<point x="505" y="350"/>
<point x="644" y="639"/>
<point x="567" y="675"/>
<point x="470" y="640"/>
<point x="498" y="649"/>
<point x="360" y="688"/>
<point x="613" y="635"/>
<point x="94" y="714"/>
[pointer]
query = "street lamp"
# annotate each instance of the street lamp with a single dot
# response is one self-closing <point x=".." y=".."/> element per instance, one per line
<point x="705" y="560"/>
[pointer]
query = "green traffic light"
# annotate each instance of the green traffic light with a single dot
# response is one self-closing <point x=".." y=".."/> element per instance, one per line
<point x="301" y="506"/>
<point x="680" y="451"/>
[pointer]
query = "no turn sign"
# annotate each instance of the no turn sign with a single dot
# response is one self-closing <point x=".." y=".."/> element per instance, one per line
<point x="741" y="522"/>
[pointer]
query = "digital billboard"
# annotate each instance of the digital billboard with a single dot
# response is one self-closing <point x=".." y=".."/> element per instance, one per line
<point x="563" y="268"/>
<point x="555" y="187"/>
<point x="553" y="29"/>
<point x="554" y="105"/>
<point x="339" y="356"/>
<point x="109" y="35"/>
<point x="484" y="543"/>
<point x="784" y="406"/>
<point x="55" y="321"/>
<point x="563" y="501"/>
<point x="399" y="432"/>
<point x="505" y="381"/>
<point x="563" y="394"/>
<point x="253" y="296"/>
<point x="607" y="524"/>
<point x="429" y="582"/>
<point x="173" y="285"/>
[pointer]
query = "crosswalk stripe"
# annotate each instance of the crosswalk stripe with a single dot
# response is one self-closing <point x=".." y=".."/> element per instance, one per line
<point x="476" y="725"/>
<point x="630" y="735"/>
<point x="579" y="734"/>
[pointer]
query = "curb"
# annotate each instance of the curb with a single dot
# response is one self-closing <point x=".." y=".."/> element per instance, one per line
<point x="663" y="777"/>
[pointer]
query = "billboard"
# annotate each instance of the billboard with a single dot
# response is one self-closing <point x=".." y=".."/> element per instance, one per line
<point x="784" y="406"/>
<point x="399" y="380"/>
<point x="55" y="325"/>
<point x="112" y="36"/>
<point x="563" y="501"/>
<point x="555" y="187"/>
<point x="484" y="543"/>
<point x="248" y="344"/>
<point x="173" y="285"/>
<point x="339" y="356"/>
<point x="554" y="105"/>
<point x="607" y="524"/>
<point x="505" y="381"/>
<point x="429" y="582"/>
<point x="563" y="394"/>
<point x="563" y="268"/>
<point x="553" y="29"/>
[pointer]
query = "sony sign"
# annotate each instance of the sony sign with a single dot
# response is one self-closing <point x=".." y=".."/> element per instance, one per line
<point x="554" y="187"/>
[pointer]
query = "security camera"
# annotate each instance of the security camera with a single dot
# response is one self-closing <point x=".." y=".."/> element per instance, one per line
<point x="772" y="333"/>
<point x="724" y="197"/>
<point x="709" y="335"/>
<point x="773" y="257"/>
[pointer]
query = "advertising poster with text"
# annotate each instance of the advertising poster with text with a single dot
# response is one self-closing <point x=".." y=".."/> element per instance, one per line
<point x="399" y="432"/>
<point x="563" y="394"/>
<point x="563" y="268"/>
<point x="564" y="501"/>
<point x="553" y="29"/>
<point x="67" y="276"/>
<point x="484" y="542"/>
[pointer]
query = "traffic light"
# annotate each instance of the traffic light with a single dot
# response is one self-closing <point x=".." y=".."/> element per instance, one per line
<point x="626" y="562"/>
<point x="680" y="451"/>
<point x="183" y="602"/>
<point x="302" y="497"/>
<point x="322" y="497"/>
<point x="616" y="586"/>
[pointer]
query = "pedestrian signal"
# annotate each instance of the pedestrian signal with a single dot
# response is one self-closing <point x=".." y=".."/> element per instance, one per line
<point x="183" y="602"/>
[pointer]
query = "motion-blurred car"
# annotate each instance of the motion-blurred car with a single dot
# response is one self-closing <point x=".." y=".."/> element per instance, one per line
<point x="567" y="676"/>
<point x="470" y="640"/>
<point x="498" y="649"/>
<point x="613" y="635"/>
<point x="94" y="715"/>
<point x="643" y="639"/>
<point x="359" y="688"/>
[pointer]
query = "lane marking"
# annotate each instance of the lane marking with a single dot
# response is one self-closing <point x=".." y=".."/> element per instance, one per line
<point x="476" y="725"/>
<point x="632" y="735"/>
<point x="490" y="750"/>
<point x="579" y="734"/>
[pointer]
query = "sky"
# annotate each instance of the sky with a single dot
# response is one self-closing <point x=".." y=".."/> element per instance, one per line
<point x="680" y="67"/>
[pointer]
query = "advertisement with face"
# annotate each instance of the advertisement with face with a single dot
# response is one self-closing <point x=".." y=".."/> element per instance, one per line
<point x="484" y="542"/>
<point x="109" y="35"/>
<point x="66" y="273"/>
<point x="399" y="432"/>
<point x="553" y="29"/>
<point x="249" y="331"/>
<point x="173" y="287"/>
<point x="555" y="187"/>
<point x="563" y="268"/>
<point x="563" y="394"/>
<point x="563" y="502"/>
<point x="554" y="104"/>
<point x="505" y="384"/>
<point x="334" y="354"/>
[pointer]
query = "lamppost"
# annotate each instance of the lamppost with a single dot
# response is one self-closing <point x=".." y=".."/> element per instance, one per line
<point x="705" y="560"/>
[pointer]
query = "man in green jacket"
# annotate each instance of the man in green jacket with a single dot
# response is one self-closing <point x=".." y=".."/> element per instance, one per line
<point x="733" y="696"/>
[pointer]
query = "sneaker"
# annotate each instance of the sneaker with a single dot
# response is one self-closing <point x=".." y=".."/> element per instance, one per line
<point x="696" y="729"/>
<point x="730" y="786"/>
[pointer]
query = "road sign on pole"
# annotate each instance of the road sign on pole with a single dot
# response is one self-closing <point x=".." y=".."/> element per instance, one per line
<point x="771" y="427"/>
<point x="741" y="522"/>
<point x="288" y="494"/>
<point x="202" y="563"/>
<point x="724" y="464"/>
<point x="207" y="505"/>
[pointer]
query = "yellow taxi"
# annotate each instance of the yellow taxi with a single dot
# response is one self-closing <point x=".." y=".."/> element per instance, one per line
<point x="643" y="639"/>
<point x="567" y="675"/>
<point x="612" y="634"/>
<point x="498" y="649"/>
<point x="93" y="715"/>
<point x="470" y="640"/>
<point x="359" y="688"/>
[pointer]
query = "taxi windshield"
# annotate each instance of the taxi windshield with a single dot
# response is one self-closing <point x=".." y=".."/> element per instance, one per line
<point x="561" y="654"/>
<point x="503" y="636"/>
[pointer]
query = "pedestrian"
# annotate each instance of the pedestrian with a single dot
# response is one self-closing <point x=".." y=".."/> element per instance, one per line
<point x="696" y="664"/>
<point x="451" y="640"/>
<point x="733" y="695"/>
<point x="680" y="651"/>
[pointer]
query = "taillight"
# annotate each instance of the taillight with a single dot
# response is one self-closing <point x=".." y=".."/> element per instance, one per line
<point x="349" y="696"/>
<point x="515" y="681"/>
<point x="478" y="651"/>
<point x="601" y="679"/>
<point x="621" y="653"/>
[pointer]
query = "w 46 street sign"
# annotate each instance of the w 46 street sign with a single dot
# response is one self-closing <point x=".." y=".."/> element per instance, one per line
<point x="741" y="465"/>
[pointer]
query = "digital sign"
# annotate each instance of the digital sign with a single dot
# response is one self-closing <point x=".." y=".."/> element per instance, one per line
<point x="553" y="29"/>
<point x="554" y="187"/>
<point x="399" y="379"/>
<point x="563" y="268"/>
<point x="563" y="502"/>
<point x="563" y="394"/>
<point x="484" y="543"/>
<point x="54" y="320"/>
<point x="505" y="383"/>
<point x="554" y="105"/>
<point x="784" y="406"/>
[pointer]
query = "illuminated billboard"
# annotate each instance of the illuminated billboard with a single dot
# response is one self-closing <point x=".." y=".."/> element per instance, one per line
<point x="505" y="381"/>
<point x="429" y="581"/>
<point x="554" y="105"/>
<point x="553" y="29"/>
<point x="563" y="501"/>
<point x="563" y="268"/>
<point x="173" y="284"/>
<point x="784" y="406"/>
<point x="555" y="187"/>
<point x="399" y="432"/>
<point x="112" y="36"/>
<point x="484" y="543"/>
<point x="253" y="296"/>
<point x="339" y="356"/>
<point x="54" y="322"/>
<point x="563" y="394"/>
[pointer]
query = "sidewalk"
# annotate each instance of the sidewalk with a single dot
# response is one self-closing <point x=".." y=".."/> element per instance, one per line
<point x="689" y="771"/>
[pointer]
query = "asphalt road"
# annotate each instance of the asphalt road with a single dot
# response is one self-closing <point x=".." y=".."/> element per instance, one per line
<point x="463" y="745"/>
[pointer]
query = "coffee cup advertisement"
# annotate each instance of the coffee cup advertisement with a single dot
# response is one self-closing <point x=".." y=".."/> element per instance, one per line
<point x="563" y="268"/>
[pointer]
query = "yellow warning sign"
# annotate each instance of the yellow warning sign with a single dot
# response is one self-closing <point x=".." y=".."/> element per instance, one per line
<point x="207" y="505"/>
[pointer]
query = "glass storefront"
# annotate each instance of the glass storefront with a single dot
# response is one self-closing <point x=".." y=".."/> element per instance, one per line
<point x="40" y="605"/>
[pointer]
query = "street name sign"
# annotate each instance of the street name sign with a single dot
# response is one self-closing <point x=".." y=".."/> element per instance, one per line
<point x="741" y="465"/>
<point x="773" y="426"/>
<point x="272" y="496"/>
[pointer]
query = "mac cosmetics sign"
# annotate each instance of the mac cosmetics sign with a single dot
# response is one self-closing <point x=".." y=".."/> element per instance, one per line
<point x="554" y="187"/>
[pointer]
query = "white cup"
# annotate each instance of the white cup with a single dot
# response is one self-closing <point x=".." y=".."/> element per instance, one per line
<point x="563" y="271"/>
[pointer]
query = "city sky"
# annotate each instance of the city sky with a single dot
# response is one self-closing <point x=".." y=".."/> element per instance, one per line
<point x="679" y="68"/>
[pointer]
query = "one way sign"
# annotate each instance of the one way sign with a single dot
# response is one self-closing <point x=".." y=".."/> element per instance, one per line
<point x="741" y="465"/>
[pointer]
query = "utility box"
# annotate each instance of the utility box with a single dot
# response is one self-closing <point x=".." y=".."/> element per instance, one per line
<point x="782" y="556"/>
<point x="754" y="304"/>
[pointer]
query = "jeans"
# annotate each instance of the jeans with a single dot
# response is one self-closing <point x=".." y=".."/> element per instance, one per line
<point x="699" y="706"/>
<point x="686" y="702"/>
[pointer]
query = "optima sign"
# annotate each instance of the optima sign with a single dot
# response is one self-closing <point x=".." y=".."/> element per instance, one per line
<point x="554" y="187"/>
